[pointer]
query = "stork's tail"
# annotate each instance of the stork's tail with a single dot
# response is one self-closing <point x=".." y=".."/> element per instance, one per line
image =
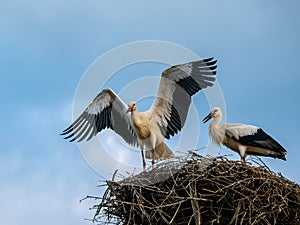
<point x="162" y="151"/>
<point x="281" y="155"/>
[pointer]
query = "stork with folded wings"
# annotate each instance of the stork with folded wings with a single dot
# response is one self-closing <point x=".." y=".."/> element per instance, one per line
<point x="242" y="138"/>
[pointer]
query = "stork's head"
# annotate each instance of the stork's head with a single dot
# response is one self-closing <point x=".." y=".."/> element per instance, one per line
<point x="131" y="107"/>
<point x="216" y="112"/>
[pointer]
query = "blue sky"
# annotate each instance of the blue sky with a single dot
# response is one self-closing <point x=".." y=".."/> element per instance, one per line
<point x="45" y="47"/>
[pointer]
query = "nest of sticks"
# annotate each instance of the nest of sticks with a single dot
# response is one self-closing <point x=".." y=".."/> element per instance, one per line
<point x="199" y="190"/>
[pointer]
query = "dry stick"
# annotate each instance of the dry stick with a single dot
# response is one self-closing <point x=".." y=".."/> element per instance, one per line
<point x="171" y="221"/>
<point x="236" y="213"/>
<point x="89" y="196"/>
<point x="194" y="203"/>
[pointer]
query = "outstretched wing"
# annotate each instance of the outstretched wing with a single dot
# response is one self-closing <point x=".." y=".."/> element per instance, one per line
<point x="106" y="111"/>
<point x="177" y="85"/>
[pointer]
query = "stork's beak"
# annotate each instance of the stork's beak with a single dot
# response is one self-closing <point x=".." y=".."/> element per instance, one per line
<point x="207" y="118"/>
<point x="129" y="109"/>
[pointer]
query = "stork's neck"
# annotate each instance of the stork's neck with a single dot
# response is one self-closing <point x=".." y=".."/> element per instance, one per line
<point x="215" y="132"/>
<point x="133" y="113"/>
<point x="216" y="121"/>
<point x="134" y="116"/>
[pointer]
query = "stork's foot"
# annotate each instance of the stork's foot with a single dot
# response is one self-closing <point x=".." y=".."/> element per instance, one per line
<point x="152" y="163"/>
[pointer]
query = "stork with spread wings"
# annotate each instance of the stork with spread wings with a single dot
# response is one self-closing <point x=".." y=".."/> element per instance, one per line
<point x="148" y="129"/>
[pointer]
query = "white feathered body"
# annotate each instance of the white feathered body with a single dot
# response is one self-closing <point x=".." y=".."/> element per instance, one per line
<point x="149" y="135"/>
<point x="218" y="134"/>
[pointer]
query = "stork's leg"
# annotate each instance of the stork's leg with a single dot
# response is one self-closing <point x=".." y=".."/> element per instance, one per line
<point x="243" y="159"/>
<point x="242" y="151"/>
<point x="153" y="140"/>
<point x="143" y="157"/>
<point x="153" y="158"/>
